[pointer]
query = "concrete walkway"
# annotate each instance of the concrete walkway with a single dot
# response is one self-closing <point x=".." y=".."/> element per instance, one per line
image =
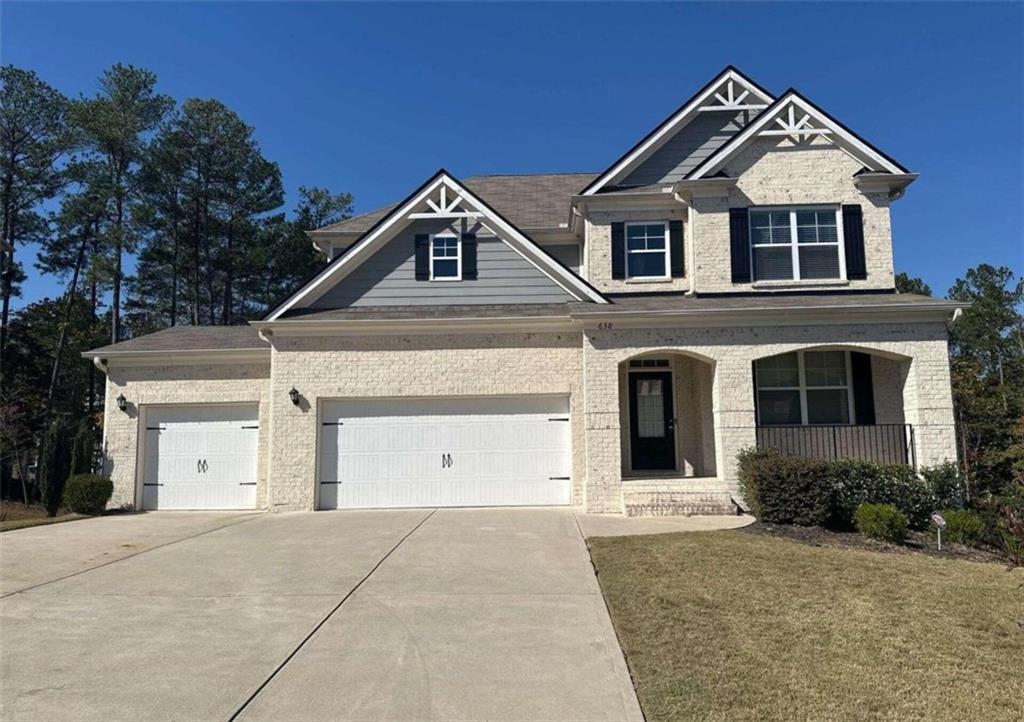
<point x="404" y="614"/>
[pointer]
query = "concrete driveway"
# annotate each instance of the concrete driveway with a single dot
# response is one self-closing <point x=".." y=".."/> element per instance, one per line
<point x="363" y="615"/>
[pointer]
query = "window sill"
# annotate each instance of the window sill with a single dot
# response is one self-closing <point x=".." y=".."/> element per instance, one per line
<point x="649" y="280"/>
<point x="837" y="283"/>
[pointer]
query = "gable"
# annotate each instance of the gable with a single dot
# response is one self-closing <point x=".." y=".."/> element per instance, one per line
<point x="688" y="148"/>
<point x="442" y="198"/>
<point x="388" y="277"/>
<point x="799" y="122"/>
<point x="728" y="93"/>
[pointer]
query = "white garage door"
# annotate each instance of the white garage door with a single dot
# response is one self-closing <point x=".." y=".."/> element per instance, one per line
<point x="445" y="452"/>
<point x="200" y="457"/>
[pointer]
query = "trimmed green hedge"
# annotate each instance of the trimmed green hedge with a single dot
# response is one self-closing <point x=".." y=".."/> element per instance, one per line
<point x="963" y="527"/>
<point x="811" y="492"/>
<point x="881" y="521"/>
<point x="87" y="494"/>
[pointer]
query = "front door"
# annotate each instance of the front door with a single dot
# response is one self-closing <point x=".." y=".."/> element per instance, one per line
<point x="651" y="421"/>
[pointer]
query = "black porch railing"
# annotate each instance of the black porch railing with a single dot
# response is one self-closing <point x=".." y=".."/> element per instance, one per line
<point x="880" y="443"/>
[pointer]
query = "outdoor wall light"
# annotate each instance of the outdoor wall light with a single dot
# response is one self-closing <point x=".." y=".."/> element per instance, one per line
<point x="294" y="395"/>
<point x="122" y="402"/>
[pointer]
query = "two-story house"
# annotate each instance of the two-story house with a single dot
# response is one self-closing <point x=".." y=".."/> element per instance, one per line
<point x="607" y="340"/>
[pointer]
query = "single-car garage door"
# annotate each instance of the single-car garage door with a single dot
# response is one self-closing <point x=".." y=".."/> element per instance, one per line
<point x="200" y="457"/>
<point x="445" y="452"/>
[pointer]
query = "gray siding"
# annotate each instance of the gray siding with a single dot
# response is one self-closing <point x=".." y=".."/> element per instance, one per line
<point x="388" y="278"/>
<point x="688" y="148"/>
<point x="567" y="255"/>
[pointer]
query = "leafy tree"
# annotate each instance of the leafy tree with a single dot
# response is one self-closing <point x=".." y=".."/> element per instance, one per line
<point x="54" y="465"/>
<point x="912" y="284"/>
<point x="987" y="355"/>
<point x="114" y="125"/>
<point x="33" y="137"/>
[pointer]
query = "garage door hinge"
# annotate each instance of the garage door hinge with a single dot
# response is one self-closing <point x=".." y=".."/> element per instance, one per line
<point x="250" y="427"/>
<point x="330" y="482"/>
<point x="151" y="484"/>
<point x="156" y="428"/>
<point x="559" y="478"/>
<point x="247" y="483"/>
<point x="560" y="418"/>
<point x="334" y="423"/>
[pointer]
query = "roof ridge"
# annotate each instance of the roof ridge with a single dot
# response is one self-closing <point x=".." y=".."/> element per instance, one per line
<point x="529" y="175"/>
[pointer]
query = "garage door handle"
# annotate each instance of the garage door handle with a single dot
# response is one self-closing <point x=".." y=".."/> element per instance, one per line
<point x="201" y="466"/>
<point x="446" y="461"/>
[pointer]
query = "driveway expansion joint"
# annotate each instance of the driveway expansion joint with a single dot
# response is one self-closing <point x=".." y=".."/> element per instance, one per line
<point x="327" y="617"/>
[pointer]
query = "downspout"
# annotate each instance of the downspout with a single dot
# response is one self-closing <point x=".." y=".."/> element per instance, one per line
<point x="691" y="253"/>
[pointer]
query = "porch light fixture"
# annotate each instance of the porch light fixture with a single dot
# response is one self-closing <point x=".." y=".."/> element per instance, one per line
<point x="122" y="402"/>
<point x="294" y="395"/>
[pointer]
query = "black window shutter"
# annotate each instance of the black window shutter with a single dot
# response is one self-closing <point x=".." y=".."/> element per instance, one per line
<point x="422" y="257"/>
<point x="853" y="243"/>
<point x="739" y="244"/>
<point x="863" y="388"/>
<point x="618" y="250"/>
<point x="469" y="256"/>
<point x="675" y="233"/>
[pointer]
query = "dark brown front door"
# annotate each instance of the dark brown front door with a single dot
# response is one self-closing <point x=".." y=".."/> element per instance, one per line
<point x="651" y="421"/>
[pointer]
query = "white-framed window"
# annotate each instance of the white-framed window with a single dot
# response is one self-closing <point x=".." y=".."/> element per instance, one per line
<point x="647" y="251"/>
<point x="445" y="257"/>
<point x="797" y="244"/>
<point x="804" y="387"/>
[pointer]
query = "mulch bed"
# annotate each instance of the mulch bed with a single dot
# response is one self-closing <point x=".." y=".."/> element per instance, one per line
<point x="917" y="542"/>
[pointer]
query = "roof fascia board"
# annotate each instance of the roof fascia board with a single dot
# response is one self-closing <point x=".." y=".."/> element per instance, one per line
<point x="362" y="327"/>
<point x="181" y="357"/>
<point x="676" y="121"/>
<point x="864" y="150"/>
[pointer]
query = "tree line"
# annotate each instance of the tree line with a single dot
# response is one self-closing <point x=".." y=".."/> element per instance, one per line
<point x="182" y="189"/>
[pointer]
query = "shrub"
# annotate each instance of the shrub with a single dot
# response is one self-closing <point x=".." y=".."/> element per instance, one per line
<point x="853" y="483"/>
<point x="87" y="493"/>
<point x="785" y="489"/>
<point x="1010" y="523"/>
<point x="945" y="484"/>
<point x="963" y="527"/>
<point x="881" y="521"/>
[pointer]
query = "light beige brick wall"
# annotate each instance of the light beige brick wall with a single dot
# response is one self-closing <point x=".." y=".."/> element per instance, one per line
<point x="407" y="366"/>
<point x="772" y="172"/>
<point x="144" y="386"/>
<point x="598" y="241"/>
<point x="926" y="396"/>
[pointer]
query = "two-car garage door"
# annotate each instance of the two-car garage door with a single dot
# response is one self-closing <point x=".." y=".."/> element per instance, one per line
<point x="445" y="452"/>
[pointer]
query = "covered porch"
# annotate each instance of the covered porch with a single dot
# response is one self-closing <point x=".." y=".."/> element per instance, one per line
<point x="666" y="440"/>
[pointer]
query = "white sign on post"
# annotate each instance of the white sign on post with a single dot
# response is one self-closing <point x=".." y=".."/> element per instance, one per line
<point x="939" y="524"/>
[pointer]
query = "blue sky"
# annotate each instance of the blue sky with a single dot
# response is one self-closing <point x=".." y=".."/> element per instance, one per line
<point x="372" y="98"/>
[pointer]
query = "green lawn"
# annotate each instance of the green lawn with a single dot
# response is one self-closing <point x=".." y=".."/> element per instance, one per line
<point x="731" y="626"/>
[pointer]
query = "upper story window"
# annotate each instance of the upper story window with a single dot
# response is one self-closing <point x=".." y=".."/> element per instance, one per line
<point x="804" y="387"/>
<point x="796" y="244"/>
<point x="647" y="251"/>
<point x="445" y="258"/>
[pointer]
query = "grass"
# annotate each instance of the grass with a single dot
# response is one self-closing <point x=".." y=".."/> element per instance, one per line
<point x="15" y="515"/>
<point x="734" y="626"/>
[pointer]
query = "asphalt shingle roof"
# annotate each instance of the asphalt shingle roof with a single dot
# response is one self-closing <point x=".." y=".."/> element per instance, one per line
<point x="528" y="201"/>
<point x="190" y="338"/>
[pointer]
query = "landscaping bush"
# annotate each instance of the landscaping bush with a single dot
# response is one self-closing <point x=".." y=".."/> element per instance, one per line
<point x="1010" y="523"/>
<point x="785" y="489"/>
<point x="963" y="527"/>
<point x="881" y="521"/>
<point x="87" y="493"/>
<point x="793" y="490"/>
<point x="945" y="484"/>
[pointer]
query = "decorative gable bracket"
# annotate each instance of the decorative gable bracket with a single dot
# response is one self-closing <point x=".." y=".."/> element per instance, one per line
<point x="440" y="207"/>
<point x="786" y="124"/>
<point x="731" y="94"/>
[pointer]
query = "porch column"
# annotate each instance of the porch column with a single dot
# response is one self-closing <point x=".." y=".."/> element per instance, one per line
<point x="603" y="484"/>
<point x="735" y="420"/>
<point x="928" y="403"/>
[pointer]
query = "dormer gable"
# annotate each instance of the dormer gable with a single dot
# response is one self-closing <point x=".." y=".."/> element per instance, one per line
<point x="701" y="125"/>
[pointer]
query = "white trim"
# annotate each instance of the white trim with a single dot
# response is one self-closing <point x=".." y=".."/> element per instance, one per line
<point x="679" y="120"/>
<point x="398" y="218"/>
<point x="795" y="245"/>
<point x="458" y="256"/>
<point x="666" y="252"/>
<point x="864" y="152"/>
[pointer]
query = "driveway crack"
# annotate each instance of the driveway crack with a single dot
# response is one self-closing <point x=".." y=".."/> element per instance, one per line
<point x="322" y="622"/>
